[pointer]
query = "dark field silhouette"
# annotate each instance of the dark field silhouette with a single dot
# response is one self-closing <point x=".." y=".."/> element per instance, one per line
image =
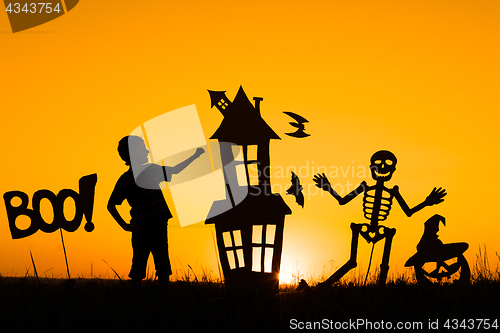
<point x="106" y="305"/>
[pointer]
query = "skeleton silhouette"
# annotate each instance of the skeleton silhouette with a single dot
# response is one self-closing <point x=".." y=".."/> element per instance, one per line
<point x="377" y="204"/>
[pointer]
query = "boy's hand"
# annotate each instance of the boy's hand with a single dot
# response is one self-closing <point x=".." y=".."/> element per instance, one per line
<point x="132" y="227"/>
<point x="199" y="151"/>
<point x="322" y="182"/>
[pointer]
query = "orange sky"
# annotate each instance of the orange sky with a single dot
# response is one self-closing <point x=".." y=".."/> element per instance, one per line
<point x="418" y="78"/>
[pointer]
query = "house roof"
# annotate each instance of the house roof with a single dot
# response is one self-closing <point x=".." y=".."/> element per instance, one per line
<point x="243" y="124"/>
<point x="253" y="208"/>
<point x="216" y="96"/>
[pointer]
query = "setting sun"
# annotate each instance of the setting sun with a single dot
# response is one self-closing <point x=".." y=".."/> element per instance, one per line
<point x="418" y="80"/>
<point x="166" y="163"/>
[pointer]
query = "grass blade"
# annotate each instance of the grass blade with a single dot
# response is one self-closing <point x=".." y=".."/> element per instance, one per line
<point x="195" y="277"/>
<point x="217" y="257"/>
<point x="65" y="256"/>
<point x="27" y="271"/>
<point x="34" y="267"/>
<point x="115" y="273"/>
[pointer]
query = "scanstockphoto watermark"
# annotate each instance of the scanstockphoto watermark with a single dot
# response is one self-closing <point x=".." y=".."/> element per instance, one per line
<point x="343" y="179"/>
<point x="358" y="324"/>
<point x="332" y="172"/>
<point x="310" y="190"/>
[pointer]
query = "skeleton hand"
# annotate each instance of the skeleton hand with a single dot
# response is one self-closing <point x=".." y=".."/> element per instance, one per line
<point x="435" y="197"/>
<point x="322" y="182"/>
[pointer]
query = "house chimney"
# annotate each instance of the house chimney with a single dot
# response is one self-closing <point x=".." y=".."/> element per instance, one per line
<point x="257" y="103"/>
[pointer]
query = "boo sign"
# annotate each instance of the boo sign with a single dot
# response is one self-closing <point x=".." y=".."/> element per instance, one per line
<point x="84" y="203"/>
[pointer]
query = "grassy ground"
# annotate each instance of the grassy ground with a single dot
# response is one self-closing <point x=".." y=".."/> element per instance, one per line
<point x="85" y="305"/>
<point x="107" y="305"/>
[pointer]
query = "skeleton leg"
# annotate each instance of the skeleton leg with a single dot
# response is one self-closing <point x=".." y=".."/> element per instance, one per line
<point x="356" y="228"/>
<point x="384" y="267"/>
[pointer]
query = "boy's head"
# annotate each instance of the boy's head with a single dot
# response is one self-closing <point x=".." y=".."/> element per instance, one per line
<point x="132" y="145"/>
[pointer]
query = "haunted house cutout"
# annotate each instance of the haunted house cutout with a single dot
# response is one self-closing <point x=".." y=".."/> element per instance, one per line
<point x="249" y="233"/>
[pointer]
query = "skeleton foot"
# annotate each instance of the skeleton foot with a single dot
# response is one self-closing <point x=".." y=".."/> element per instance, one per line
<point x="384" y="269"/>
<point x="303" y="286"/>
<point x="339" y="274"/>
<point x="351" y="264"/>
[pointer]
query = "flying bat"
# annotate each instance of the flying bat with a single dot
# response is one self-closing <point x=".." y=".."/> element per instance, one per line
<point x="299" y="125"/>
<point x="296" y="190"/>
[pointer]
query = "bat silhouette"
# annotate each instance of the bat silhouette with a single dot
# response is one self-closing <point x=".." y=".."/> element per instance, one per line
<point x="299" y="125"/>
<point x="296" y="190"/>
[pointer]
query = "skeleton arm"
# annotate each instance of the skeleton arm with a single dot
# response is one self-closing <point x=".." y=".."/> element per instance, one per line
<point x="323" y="183"/>
<point x="434" y="198"/>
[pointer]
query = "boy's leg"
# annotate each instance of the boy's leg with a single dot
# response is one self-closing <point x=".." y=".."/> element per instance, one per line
<point x="140" y="254"/>
<point x="159" y="249"/>
<point x="136" y="287"/>
<point x="164" y="282"/>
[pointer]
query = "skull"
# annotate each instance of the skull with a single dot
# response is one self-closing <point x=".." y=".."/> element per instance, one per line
<point x="383" y="165"/>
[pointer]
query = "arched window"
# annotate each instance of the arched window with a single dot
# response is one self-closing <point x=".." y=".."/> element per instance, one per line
<point x="234" y="248"/>
<point x="247" y="165"/>
<point x="263" y="237"/>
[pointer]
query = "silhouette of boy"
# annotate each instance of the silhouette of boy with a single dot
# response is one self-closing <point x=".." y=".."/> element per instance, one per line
<point x="149" y="211"/>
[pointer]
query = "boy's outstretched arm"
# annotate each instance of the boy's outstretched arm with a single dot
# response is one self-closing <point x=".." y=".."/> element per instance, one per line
<point x="181" y="166"/>
<point x="116" y="215"/>
<point x="434" y="198"/>
<point x="323" y="182"/>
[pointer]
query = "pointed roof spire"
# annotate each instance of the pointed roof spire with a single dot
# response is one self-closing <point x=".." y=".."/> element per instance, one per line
<point x="242" y="123"/>
<point x="219" y="99"/>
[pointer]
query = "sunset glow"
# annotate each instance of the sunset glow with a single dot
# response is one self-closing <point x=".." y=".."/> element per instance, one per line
<point x="417" y="78"/>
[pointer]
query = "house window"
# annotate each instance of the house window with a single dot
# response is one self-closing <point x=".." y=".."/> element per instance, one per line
<point x="252" y="164"/>
<point x="271" y="232"/>
<point x="237" y="153"/>
<point x="253" y="174"/>
<point x="234" y="248"/>
<point x="241" y="175"/>
<point x="246" y="164"/>
<point x="239" y="165"/>
<point x="252" y="153"/>
<point x="223" y="104"/>
<point x="263" y="237"/>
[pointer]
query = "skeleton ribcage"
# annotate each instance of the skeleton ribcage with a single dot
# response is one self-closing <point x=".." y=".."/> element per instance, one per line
<point x="377" y="209"/>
